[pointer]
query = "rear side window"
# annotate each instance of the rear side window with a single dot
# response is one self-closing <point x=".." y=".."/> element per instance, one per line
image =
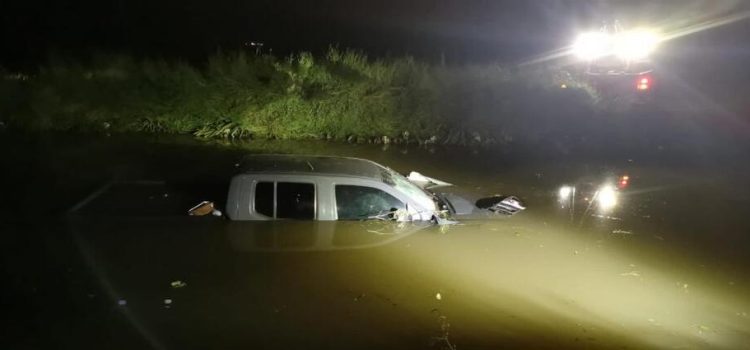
<point x="295" y="201"/>
<point x="264" y="198"/>
<point x="361" y="202"/>
<point x="292" y="200"/>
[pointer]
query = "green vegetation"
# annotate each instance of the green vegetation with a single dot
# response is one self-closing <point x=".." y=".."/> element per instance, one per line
<point x="341" y="96"/>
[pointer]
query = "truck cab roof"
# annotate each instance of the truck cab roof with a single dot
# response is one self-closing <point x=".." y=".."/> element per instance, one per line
<point x="313" y="165"/>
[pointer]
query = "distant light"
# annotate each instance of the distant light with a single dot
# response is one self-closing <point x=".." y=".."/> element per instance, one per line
<point x="623" y="182"/>
<point x="606" y="197"/>
<point x="565" y="192"/>
<point x="643" y="84"/>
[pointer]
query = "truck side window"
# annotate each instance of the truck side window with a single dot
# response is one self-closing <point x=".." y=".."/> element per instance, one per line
<point x="295" y="201"/>
<point x="361" y="202"/>
<point x="263" y="201"/>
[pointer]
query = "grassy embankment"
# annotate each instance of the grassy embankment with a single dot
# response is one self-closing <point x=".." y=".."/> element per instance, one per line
<point x="342" y="96"/>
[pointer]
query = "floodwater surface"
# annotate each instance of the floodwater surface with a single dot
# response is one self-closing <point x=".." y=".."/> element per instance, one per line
<point x="667" y="267"/>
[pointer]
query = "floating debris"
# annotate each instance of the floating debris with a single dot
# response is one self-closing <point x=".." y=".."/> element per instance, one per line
<point x="438" y="296"/>
<point x="623" y="232"/>
<point x="631" y="273"/>
<point x="508" y="205"/>
<point x="702" y="328"/>
<point x="204" y="208"/>
<point x="442" y="339"/>
<point x="607" y="217"/>
<point x="444" y="229"/>
<point x="178" y="284"/>
<point x="122" y="302"/>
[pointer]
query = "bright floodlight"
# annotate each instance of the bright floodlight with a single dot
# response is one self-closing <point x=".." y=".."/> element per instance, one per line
<point x="606" y="197"/>
<point x="635" y="45"/>
<point x="565" y="192"/>
<point x="590" y="46"/>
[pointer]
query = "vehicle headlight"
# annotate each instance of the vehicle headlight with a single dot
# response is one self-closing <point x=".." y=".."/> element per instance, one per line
<point x="593" y="45"/>
<point x="606" y="197"/>
<point x="564" y="193"/>
<point x="635" y="45"/>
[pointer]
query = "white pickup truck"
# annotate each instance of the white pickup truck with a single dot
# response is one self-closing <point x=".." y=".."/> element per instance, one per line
<point x="322" y="188"/>
<point x="339" y="188"/>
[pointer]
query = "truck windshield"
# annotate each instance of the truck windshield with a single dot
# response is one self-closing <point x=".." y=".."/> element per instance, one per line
<point x="417" y="194"/>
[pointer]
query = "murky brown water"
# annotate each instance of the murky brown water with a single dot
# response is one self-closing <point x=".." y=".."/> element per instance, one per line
<point x="667" y="268"/>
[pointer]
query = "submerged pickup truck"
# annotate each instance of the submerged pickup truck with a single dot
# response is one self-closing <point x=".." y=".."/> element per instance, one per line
<point x="280" y="203"/>
<point x="339" y="188"/>
<point x="325" y="188"/>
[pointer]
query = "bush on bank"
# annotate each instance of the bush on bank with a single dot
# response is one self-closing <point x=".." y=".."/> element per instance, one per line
<point x="343" y="95"/>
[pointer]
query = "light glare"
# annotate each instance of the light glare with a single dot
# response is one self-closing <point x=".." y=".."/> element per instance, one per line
<point x="590" y="46"/>
<point x="565" y="192"/>
<point x="635" y="45"/>
<point x="628" y="46"/>
<point x="607" y="197"/>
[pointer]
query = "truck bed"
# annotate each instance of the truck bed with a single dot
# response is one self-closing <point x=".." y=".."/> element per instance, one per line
<point x="146" y="198"/>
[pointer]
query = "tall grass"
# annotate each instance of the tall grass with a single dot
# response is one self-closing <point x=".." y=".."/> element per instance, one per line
<point x="341" y="95"/>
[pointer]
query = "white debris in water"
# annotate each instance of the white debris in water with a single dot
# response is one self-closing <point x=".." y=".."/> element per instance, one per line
<point x="702" y="329"/>
<point x="122" y="302"/>
<point x="438" y="296"/>
<point x="167" y="301"/>
<point x="631" y="273"/>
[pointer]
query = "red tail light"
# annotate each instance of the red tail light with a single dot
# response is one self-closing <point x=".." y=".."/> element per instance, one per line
<point x="643" y="84"/>
<point x="624" y="180"/>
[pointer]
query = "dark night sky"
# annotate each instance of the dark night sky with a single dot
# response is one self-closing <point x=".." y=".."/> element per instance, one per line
<point x="468" y="30"/>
